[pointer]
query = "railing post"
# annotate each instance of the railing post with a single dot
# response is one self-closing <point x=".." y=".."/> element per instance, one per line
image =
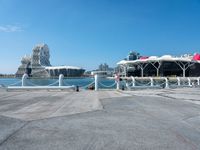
<point x="96" y="82"/>
<point x="189" y="81"/>
<point x="117" y="80"/>
<point x="198" y="82"/>
<point x="118" y="84"/>
<point x="127" y="85"/>
<point x="151" y="79"/>
<point x="179" y="81"/>
<point x="166" y="83"/>
<point x="133" y="81"/>
<point x="61" y="79"/>
<point x="24" y="78"/>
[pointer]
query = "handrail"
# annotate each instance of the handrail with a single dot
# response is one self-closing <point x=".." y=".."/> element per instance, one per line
<point x="15" y="83"/>
<point x="108" y="86"/>
<point x="126" y="82"/>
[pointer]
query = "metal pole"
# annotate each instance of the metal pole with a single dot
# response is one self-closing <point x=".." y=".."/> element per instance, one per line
<point x="125" y="70"/>
<point x="142" y="73"/>
<point x="198" y="82"/>
<point x="179" y="81"/>
<point x="159" y="64"/>
<point x="133" y="81"/>
<point x="189" y="81"/>
<point x="118" y="85"/>
<point x="183" y="72"/>
<point x="151" y="79"/>
<point x="61" y="79"/>
<point x="96" y="82"/>
<point x="24" y="78"/>
<point x="157" y="70"/>
<point x="117" y="80"/>
<point x="166" y="83"/>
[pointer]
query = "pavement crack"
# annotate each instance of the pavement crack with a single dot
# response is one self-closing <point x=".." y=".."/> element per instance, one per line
<point x="187" y="118"/>
<point x="184" y="139"/>
<point x="165" y="96"/>
<point x="63" y="104"/>
<point x="8" y="96"/>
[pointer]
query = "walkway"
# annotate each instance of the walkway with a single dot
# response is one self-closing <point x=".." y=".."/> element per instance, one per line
<point x="135" y="120"/>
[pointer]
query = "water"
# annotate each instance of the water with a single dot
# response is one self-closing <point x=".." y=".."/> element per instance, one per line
<point x="9" y="81"/>
<point x="84" y="82"/>
<point x="81" y="82"/>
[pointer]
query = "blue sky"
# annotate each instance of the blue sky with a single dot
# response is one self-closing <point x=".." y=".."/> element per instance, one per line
<point x="86" y="33"/>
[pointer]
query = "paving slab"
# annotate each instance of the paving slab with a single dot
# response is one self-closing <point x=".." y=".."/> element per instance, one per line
<point x="8" y="126"/>
<point x="43" y="104"/>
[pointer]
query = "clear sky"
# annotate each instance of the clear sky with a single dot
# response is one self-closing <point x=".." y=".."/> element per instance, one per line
<point x="86" y="33"/>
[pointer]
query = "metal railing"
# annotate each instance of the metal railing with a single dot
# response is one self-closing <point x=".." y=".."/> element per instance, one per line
<point x="114" y="83"/>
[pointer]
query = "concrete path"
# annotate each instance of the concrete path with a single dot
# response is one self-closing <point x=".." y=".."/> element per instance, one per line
<point x="43" y="104"/>
<point x="89" y="120"/>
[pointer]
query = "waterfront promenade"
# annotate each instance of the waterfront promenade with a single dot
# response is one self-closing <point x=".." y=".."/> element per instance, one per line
<point x="108" y="119"/>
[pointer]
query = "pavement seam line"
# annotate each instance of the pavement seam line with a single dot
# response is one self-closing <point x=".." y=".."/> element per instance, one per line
<point x="61" y="106"/>
<point x="194" y="146"/>
<point x="12" y="134"/>
<point x="165" y="96"/>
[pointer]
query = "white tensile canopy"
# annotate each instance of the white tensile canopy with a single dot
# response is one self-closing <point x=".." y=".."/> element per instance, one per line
<point x="183" y="62"/>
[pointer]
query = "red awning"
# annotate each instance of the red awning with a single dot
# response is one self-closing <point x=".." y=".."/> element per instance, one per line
<point x="196" y="57"/>
<point x="144" y="57"/>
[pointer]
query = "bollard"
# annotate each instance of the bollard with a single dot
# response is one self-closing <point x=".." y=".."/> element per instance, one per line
<point x="166" y="83"/>
<point x="179" y="81"/>
<point x="24" y="78"/>
<point x="123" y="88"/>
<point x="61" y="79"/>
<point x="151" y="79"/>
<point x="133" y="81"/>
<point x="77" y="88"/>
<point x="96" y="82"/>
<point x="189" y="82"/>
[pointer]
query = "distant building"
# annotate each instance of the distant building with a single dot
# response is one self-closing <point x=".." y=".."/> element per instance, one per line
<point x="38" y="65"/>
<point x="103" y="67"/>
<point x="133" y="55"/>
<point x="103" y="70"/>
<point x="34" y="65"/>
<point x="67" y="71"/>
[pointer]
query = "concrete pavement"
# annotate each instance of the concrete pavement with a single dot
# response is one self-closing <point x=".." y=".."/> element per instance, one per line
<point x="135" y="120"/>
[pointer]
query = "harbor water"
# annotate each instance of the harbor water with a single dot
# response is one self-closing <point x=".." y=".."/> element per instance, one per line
<point x="103" y="83"/>
<point x="81" y="82"/>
